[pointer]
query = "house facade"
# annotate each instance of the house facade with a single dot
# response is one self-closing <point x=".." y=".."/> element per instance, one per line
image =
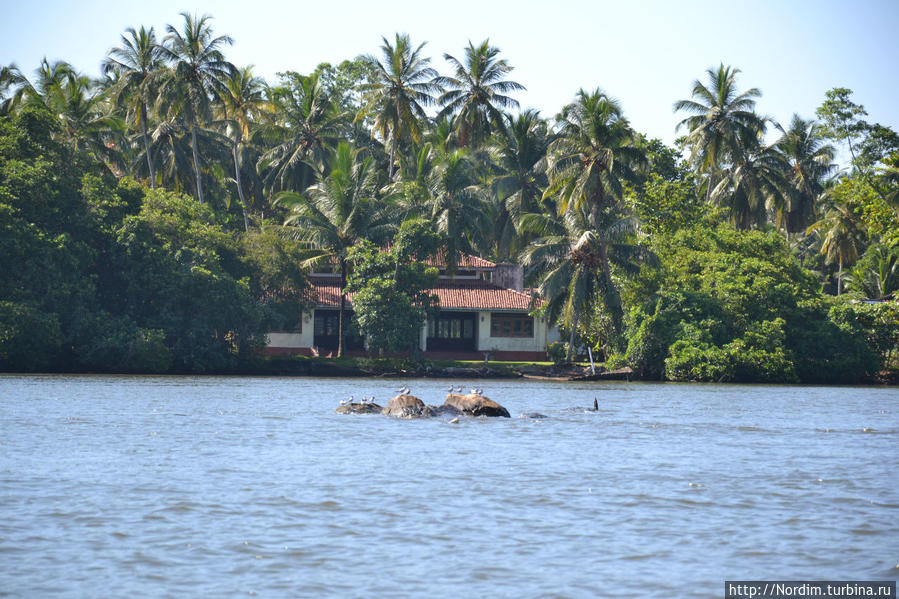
<point x="483" y="309"/>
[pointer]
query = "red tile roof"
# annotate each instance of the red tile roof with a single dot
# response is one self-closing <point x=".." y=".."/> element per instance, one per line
<point x="463" y="260"/>
<point x="460" y="293"/>
<point x="470" y="294"/>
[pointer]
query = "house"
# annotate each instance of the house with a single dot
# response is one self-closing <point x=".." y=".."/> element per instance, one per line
<point x="483" y="309"/>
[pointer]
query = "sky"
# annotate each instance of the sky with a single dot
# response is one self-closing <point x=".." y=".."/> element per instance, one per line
<point x="644" y="53"/>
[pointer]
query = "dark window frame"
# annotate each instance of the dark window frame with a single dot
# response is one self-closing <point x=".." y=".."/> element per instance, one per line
<point x="511" y="325"/>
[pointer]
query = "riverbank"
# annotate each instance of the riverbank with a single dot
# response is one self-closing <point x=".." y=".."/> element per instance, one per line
<point x="302" y="366"/>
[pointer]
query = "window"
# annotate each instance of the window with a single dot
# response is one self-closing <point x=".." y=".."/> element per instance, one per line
<point x="326" y="323"/>
<point x="511" y="325"/>
<point x="293" y="327"/>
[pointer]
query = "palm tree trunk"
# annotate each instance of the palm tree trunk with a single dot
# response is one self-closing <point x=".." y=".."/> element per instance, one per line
<point x="143" y="126"/>
<point x="611" y="297"/>
<point x="196" y="153"/>
<point x="708" y="192"/>
<point x="342" y="308"/>
<point x="243" y="202"/>
<point x="840" y="275"/>
<point x="571" y="335"/>
<point x="392" y="156"/>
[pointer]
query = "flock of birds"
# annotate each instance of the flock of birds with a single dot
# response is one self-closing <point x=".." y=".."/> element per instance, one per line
<point x="363" y="401"/>
<point x="406" y="390"/>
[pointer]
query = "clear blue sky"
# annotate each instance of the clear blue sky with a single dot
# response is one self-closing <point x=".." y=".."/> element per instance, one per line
<point x="646" y="54"/>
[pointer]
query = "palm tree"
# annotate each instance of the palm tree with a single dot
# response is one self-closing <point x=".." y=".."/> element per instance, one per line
<point x="520" y="155"/>
<point x="755" y="181"/>
<point x="843" y="235"/>
<point x="137" y="64"/>
<point x="596" y="150"/>
<point x="242" y="103"/>
<point x="567" y="258"/>
<point x="477" y="93"/>
<point x="337" y="212"/>
<point x="810" y="162"/>
<point x="876" y="275"/>
<point x="197" y="77"/>
<point x="50" y="78"/>
<point x="304" y="126"/>
<point x="403" y="87"/>
<point x="11" y="80"/>
<point x="410" y="189"/>
<point x="84" y="114"/>
<point x="722" y="121"/>
<point x="170" y="144"/>
<point x="457" y="206"/>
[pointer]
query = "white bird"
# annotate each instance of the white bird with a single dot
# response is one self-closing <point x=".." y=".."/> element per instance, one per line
<point x="450" y="390"/>
<point x="474" y="392"/>
<point x="459" y="389"/>
<point x="344" y="402"/>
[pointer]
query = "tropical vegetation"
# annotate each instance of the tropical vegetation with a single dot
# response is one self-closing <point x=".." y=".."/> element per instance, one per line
<point x="164" y="216"/>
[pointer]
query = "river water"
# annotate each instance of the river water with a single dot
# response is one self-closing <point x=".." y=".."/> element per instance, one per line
<point x="225" y="486"/>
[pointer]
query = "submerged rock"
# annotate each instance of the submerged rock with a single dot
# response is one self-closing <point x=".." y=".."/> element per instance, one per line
<point x="359" y="408"/>
<point x="445" y="410"/>
<point x="407" y="406"/>
<point x="475" y="405"/>
<point x="533" y="415"/>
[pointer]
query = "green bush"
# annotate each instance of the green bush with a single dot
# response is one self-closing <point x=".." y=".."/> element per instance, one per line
<point x="557" y="351"/>
<point x="876" y="323"/>
<point x="757" y="356"/>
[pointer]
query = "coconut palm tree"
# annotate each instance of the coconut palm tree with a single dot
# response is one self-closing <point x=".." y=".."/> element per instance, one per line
<point x="304" y="127"/>
<point x="11" y="81"/>
<point x="410" y="189"/>
<point x="336" y="213"/>
<point x="170" y="144"/>
<point x="519" y="152"/>
<point x="810" y="162"/>
<point x="477" y="93"/>
<point x="84" y="114"/>
<point x="404" y="86"/>
<point x="196" y="79"/>
<point x="753" y="183"/>
<point x="50" y="77"/>
<point x="137" y="64"/>
<point x="567" y="257"/>
<point x="457" y="205"/>
<point x="721" y="122"/>
<point x="596" y="151"/>
<point x="242" y="104"/>
<point x="876" y="276"/>
<point x="843" y="235"/>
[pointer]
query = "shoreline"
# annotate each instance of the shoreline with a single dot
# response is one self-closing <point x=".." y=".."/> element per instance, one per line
<point x="395" y="368"/>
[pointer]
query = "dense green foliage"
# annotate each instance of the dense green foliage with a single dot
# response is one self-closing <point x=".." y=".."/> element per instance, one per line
<point x="391" y="288"/>
<point x="116" y="277"/>
<point x="163" y="218"/>
<point x="732" y="306"/>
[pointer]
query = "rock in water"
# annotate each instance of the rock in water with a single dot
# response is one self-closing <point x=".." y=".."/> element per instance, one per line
<point x="475" y="405"/>
<point x="359" y="408"/>
<point x="407" y="406"/>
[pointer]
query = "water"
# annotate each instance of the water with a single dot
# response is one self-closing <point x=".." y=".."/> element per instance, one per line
<point x="186" y="487"/>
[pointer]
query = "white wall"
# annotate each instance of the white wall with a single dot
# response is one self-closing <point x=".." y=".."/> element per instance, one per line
<point x="535" y="343"/>
<point x="294" y="340"/>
